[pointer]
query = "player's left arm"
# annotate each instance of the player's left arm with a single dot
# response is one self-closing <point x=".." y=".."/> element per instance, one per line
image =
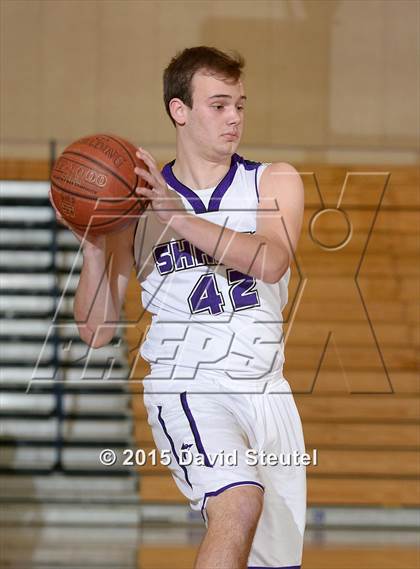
<point x="267" y="253"/>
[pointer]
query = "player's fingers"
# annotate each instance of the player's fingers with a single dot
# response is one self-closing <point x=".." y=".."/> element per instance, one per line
<point x="144" y="152"/>
<point x="60" y="219"/>
<point x="145" y="175"/>
<point x="144" y="155"/>
<point x="155" y="181"/>
<point x="148" y="160"/>
<point x="150" y="165"/>
<point x="58" y="215"/>
<point x="52" y="203"/>
<point x="63" y="222"/>
<point x="145" y="192"/>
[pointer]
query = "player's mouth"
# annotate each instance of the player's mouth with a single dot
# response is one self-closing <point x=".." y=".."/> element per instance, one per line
<point x="231" y="135"/>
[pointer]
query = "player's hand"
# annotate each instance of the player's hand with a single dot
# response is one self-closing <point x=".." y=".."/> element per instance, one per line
<point x="164" y="202"/>
<point x="88" y="241"/>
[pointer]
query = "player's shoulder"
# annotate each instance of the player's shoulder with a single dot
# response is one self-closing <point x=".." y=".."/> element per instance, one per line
<point x="278" y="177"/>
<point x="281" y="167"/>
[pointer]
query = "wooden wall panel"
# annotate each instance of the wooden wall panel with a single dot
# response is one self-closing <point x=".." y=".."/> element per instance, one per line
<point x="349" y="427"/>
<point x="328" y="74"/>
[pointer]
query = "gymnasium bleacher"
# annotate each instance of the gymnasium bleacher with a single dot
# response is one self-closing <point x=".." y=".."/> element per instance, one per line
<point x="56" y="413"/>
<point x="352" y="331"/>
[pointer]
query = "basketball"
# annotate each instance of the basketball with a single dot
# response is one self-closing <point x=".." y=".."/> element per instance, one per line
<point x="93" y="184"/>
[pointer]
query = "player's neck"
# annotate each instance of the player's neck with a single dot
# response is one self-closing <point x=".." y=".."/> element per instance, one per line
<point x="197" y="171"/>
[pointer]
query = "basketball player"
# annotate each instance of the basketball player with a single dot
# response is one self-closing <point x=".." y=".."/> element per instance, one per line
<point x="213" y="254"/>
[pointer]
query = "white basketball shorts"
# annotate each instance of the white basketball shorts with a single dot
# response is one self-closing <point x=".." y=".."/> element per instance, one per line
<point x="219" y="437"/>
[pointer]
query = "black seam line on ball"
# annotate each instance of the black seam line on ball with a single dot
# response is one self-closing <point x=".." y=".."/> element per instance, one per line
<point x="123" y="146"/>
<point x="94" y="198"/>
<point x="101" y="165"/>
<point x="129" y="155"/>
<point x="106" y="200"/>
<point x="123" y="213"/>
<point x="103" y="224"/>
<point x="131" y="158"/>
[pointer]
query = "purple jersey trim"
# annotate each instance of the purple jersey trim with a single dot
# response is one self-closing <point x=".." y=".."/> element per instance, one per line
<point x="179" y="187"/>
<point x="208" y="495"/>
<point x="193" y="425"/>
<point x="220" y="190"/>
<point x="223" y="186"/>
<point x="248" y="164"/>
<point x="171" y="442"/>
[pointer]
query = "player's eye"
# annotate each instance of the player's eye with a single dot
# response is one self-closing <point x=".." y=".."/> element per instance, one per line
<point x="218" y="107"/>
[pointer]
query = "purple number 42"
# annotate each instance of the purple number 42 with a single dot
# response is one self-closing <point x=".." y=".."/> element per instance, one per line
<point x="207" y="297"/>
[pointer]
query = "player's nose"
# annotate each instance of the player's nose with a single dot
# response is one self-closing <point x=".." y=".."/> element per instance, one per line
<point x="235" y="116"/>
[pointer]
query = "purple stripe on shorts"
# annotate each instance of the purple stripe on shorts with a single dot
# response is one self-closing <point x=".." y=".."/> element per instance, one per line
<point x="283" y="567"/>
<point x="193" y="425"/>
<point x="256" y="184"/>
<point x="171" y="442"/>
<point x="232" y="485"/>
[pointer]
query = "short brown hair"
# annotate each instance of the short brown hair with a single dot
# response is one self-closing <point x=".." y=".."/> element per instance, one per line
<point x="178" y="75"/>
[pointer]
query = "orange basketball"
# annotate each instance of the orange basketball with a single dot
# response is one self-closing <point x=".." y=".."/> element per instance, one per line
<point x="93" y="184"/>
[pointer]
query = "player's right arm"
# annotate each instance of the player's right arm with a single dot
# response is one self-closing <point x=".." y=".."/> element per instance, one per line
<point x="107" y="263"/>
<point x="102" y="286"/>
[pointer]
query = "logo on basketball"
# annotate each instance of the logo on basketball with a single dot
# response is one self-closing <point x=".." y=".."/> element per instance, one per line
<point x="75" y="174"/>
<point x="101" y="144"/>
<point x="67" y="205"/>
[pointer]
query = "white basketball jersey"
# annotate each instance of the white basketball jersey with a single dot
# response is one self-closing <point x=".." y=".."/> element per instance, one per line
<point x="207" y="315"/>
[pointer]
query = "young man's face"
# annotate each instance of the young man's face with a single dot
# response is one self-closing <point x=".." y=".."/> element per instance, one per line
<point x="215" y="121"/>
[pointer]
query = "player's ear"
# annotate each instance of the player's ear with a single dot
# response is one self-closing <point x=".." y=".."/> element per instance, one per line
<point x="178" y="111"/>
